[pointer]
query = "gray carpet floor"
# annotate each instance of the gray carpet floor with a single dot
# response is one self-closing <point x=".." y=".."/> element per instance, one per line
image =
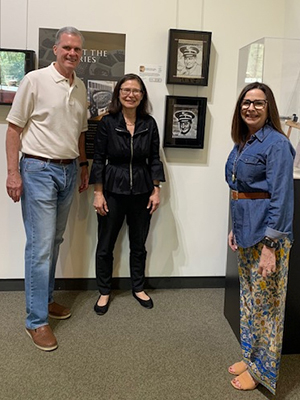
<point x="179" y="350"/>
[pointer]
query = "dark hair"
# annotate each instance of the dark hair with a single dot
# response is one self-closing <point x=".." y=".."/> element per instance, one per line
<point x="143" y="109"/>
<point x="70" y="30"/>
<point x="239" y="129"/>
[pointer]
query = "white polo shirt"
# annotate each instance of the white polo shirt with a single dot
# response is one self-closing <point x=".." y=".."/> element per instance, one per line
<point x="52" y="113"/>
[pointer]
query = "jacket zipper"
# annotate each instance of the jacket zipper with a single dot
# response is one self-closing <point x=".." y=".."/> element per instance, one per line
<point x="130" y="164"/>
<point x="131" y="158"/>
<point x="131" y="154"/>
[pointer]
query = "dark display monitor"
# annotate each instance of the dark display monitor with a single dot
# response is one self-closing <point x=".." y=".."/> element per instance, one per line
<point x="14" y="65"/>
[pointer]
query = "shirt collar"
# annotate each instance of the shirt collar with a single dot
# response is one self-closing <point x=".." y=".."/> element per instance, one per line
<point x="263" y="132"/>
<point x="57" y="76"/>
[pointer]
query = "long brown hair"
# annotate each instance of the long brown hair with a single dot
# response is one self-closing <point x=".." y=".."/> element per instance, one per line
<point x="239" y="129"/>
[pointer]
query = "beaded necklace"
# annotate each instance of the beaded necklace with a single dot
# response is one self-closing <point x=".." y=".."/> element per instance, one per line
<point x="238" y="155"/>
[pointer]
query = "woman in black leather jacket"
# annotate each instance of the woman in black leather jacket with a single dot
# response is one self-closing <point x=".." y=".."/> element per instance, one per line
<point x="126" y="174"/>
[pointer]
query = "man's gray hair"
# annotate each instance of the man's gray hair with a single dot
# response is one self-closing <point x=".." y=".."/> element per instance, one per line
<point x="70" y="30"/>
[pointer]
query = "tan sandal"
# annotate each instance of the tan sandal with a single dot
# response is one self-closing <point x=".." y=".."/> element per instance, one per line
<point x="244" y="382"/>
<point x="238" y="368"/>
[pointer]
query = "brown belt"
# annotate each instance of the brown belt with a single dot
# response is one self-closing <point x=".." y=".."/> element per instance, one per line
<point x="251" y="195"/>
<point x="53" y="160"/>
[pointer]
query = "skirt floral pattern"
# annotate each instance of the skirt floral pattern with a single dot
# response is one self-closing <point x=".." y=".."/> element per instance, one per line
<point x="262" y="307"/>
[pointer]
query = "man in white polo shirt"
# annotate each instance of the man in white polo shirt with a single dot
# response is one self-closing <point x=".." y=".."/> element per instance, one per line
<point x="47" y="123"/>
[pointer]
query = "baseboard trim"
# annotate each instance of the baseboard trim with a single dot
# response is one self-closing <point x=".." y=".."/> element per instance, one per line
<point x="191" y="282"/>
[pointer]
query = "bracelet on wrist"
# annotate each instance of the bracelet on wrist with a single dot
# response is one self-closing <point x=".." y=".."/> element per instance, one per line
<point x="156" y="185"/>
<point x="270" y="243"/>
<point x="84" y="163"/>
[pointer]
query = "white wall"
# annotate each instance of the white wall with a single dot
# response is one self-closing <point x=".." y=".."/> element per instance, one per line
<point x="292" y="19"/>
<point x="188" y="233"/>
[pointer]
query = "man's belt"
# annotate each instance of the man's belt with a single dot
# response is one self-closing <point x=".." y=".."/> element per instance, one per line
<point x="53" y="160"/>
<point x="235" y="195"/>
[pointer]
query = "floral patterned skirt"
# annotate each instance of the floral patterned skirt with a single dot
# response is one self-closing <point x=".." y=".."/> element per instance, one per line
<point x="262" y="306"/>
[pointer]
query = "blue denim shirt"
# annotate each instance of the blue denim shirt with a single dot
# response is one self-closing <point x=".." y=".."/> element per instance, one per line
<point x="265" y="164"/>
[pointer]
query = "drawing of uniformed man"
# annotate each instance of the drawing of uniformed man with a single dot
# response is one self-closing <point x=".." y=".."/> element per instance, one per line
<point x="191" y="66"/>
<point x="185" y="119"/>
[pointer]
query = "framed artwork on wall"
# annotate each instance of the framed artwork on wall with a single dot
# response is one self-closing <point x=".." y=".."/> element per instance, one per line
<point x="185" y="121"/>
<point x="188" y="57"/>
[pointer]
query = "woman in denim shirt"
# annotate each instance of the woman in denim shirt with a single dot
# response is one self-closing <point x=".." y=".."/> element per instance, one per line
<point x="259" y="172"/>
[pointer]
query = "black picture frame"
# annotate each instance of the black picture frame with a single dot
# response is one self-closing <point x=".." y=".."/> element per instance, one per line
<point x="188" y="57"/>
<point x="185" y="121"/>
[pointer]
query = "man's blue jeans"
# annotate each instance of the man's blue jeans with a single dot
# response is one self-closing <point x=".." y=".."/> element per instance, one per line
<point x="46" y="200"/>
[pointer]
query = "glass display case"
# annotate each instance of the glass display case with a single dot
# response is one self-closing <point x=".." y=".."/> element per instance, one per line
<point x="276" y="62"/>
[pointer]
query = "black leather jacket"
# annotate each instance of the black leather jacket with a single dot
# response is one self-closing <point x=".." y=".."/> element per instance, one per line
<point x="126" y="164"/>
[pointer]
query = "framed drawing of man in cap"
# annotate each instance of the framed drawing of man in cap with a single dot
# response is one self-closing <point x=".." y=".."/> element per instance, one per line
<point x="188" y="58"/>
<point x="185" y="121"/>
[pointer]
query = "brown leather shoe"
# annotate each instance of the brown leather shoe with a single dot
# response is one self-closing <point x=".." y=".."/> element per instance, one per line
<point x="43" y="338"/>
<point x="57" y="311"/>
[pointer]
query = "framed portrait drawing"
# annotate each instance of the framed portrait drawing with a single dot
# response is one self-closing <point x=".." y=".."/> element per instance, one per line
<point x="185" y="121"/>
<point x="188" y="57"/>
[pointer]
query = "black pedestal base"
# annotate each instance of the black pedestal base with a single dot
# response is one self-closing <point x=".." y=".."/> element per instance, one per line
<point x="291" y="342"/>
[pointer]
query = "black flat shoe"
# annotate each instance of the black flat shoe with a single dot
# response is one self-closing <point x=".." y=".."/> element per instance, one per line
<point x="144" y="303"/>
<point x="101" y="310"/>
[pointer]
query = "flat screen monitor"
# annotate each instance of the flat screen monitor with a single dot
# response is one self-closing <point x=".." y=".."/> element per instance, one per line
<point x="14" y="65"/>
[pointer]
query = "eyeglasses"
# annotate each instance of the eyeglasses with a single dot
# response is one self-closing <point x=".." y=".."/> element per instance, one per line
<point x="127" y="91"/>
<point x="257" y="104"/>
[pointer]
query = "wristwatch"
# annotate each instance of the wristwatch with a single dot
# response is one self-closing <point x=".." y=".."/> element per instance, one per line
<point x="270" y="243"/>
